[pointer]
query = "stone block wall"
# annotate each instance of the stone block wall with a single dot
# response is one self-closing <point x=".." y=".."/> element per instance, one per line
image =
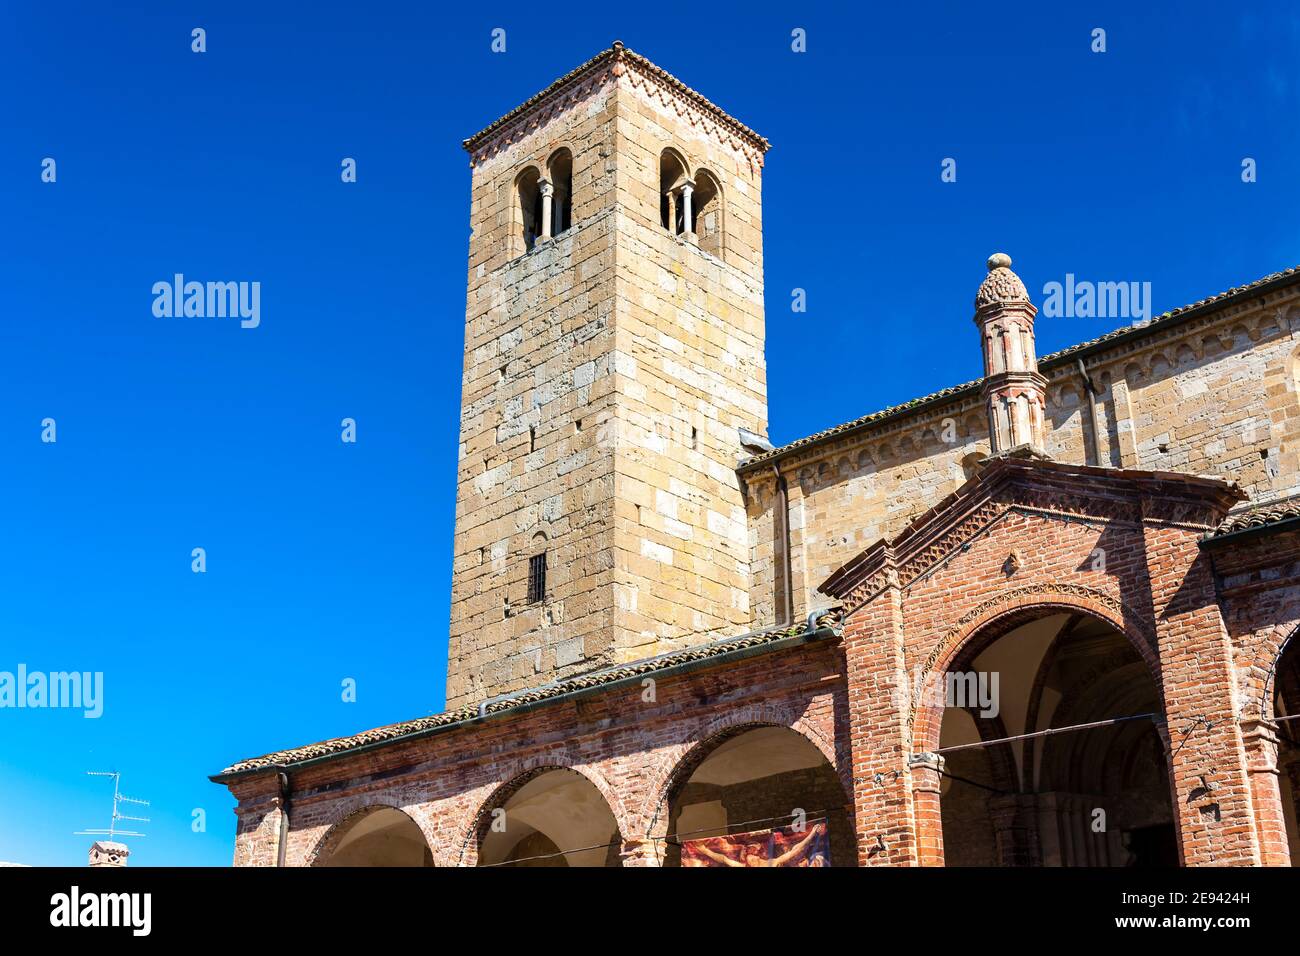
<point x="607" y="373"/>
<point x="1217" y="396"/>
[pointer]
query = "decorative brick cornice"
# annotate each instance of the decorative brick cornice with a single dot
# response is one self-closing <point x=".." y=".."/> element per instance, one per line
<point x="615" y="63"/>
<point x="1030" y="486"/>
<point x="538" y="110"/>
<point x="652" y="81"/>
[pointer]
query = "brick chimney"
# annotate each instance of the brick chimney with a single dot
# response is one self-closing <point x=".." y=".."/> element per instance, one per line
<point x="108" y="853"/>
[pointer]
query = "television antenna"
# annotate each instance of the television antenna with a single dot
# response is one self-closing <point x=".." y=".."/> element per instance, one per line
<point x="118" y="799"/>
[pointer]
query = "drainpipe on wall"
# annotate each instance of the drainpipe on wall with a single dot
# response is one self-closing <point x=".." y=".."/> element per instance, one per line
<point x="1091" y="389"/>
<point x="282" y="843"/>
<point x="783" y="582"/>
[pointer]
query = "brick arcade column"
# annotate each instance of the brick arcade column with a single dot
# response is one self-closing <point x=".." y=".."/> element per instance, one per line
<point x="1260" y="738"/>
<point x="1212" y="788"/>
<point x="637" y="852"/>
<point x="927" y="775"/>
<point x="878" y="692"/>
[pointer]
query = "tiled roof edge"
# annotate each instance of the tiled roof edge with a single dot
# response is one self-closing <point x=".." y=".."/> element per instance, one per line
<point x="1257" y="517"/>
<point x="1046" y="363"/>
<point x="754" y="641"/>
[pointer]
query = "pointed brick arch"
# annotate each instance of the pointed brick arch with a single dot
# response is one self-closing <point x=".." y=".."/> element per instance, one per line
<point x="1004" y="612"/>
<point x="1268" y="696"/>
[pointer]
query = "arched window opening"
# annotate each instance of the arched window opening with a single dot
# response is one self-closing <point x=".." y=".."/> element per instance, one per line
<point x="383" y="836"/>
<point x="736" y="807"/>
<point x="707" y="213"/>
<point x="555" y="818"/>
<point x="1286" y="704"/>
<point x="673" y="187"/>
<point x="527" y="212"/>
<point x="560" y="169"/>
<point x="1092" y="797"/>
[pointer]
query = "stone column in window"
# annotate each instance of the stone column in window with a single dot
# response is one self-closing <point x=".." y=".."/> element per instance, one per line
<point x="688" y="187"/>
<point x="548" y="194"/>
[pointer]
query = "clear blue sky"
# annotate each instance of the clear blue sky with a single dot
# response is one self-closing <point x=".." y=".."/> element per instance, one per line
<point x="328" y="561"/>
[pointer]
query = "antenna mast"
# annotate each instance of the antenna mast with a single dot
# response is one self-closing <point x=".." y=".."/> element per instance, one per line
<point x="118" y="799"/>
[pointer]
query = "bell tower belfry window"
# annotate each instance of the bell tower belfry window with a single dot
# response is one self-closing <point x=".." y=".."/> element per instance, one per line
<point x="675" y="188"/>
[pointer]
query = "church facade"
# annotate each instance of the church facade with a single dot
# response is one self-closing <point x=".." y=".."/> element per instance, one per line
<point x="1041" y="618"/>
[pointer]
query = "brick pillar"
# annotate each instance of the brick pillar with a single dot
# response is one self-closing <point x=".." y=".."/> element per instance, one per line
<point x="879" y="695"/>
<point x="927" y="776"/>
<point x="1125" y="430"/>
<point x="257" y="834"/>
<point x="1260" y="737"/>
<point x="1211" y="786"/>
<point x="639" y="853"/>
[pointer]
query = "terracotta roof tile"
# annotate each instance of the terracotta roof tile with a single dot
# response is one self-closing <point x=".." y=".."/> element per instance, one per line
<point x="1260" y="514"/>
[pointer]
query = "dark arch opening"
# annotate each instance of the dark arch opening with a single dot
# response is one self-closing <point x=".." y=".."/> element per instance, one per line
<point x="528" y="211"/>
<point x="560" y="168"/>
<point x="672" y="174"/>
<point x="1286" y="703"/>
<point x="738" y="797"/>
<point x="1096" y="797"/>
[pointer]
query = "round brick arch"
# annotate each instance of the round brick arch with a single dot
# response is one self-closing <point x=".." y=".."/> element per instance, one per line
<point x="1268" y="693"/>
<point x="518" y="774"/>
<point x="678" y="763"/>
<point x="348" y="812"/>
<point x="1003" y="613"/>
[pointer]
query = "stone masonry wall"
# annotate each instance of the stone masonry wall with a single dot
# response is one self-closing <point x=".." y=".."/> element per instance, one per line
<point x="607" y="371"/>
<point x="539" y="329"/>
<point x="1217" y="396"/>
<point x="690" y="370"/>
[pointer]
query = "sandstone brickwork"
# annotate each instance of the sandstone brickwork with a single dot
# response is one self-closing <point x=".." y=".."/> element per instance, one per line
<point x="607" y="372"/>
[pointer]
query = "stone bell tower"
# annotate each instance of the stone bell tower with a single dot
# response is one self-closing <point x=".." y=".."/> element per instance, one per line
<point x="1014" y="390"/>
<point x="613" y="348"/>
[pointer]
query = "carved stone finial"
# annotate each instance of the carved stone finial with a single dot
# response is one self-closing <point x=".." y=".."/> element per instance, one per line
<point x="1001" y="284"/>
